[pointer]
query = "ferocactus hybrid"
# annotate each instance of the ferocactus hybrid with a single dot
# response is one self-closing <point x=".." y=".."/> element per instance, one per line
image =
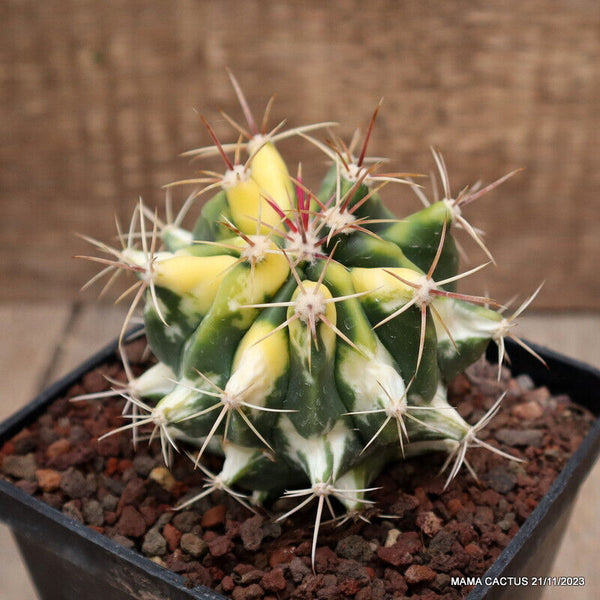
<point x="308" y="338"/>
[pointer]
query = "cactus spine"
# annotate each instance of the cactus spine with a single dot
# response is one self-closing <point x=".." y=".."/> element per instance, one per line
<point x="307" y="338"/>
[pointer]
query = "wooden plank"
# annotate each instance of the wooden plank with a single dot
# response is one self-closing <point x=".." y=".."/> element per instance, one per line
<point x="95" y="115"/>
<point x="93" y="326"/>
<point x="30" y="336"/>
<point x="15" y="583"/>
<point x="572" y="334"/>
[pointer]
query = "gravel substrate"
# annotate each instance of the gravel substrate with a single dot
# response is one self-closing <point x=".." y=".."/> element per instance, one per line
<point x="424" y="536"/>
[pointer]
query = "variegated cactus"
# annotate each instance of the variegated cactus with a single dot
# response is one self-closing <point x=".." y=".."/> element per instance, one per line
<point x="307" y="338"/>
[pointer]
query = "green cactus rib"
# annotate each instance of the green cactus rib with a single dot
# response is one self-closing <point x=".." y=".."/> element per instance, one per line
<point x="307" y="338"/>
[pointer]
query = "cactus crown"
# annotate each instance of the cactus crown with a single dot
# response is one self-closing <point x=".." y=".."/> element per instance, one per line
<point x="307" y="337"/>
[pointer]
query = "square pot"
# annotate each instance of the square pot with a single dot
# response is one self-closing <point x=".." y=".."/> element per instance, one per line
<point x="67" y="560"/>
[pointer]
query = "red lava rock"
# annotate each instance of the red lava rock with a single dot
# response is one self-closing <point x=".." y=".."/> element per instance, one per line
<point x="484" y="516"/>
<point x="108" y="446"/>
<point x="143" y="464"/>
<point x="131" y="523"/>
<point x="94" y="381"/>
<point x="253" y="576"/>
<point x="401" y="552"/>
<point x="405" y="503"/>
<point x="78" y="456"/>
<point x="325" y="559"/>
<point x="354" y="547"/>
<point x="154" y="544"/>
<point x="424" y="501"/>
<point x="73" y="483"/>
<point x="352" y="569"/>
<point x="136" y="350"/>
<point x="232" y="528"/>
<point x="465" y="409"/>
<point x="427" y="594"/>
<point x="184" y="521"/>
<point x="528" y="410"/>
<point x="473" y="549"/>
<point x="48" y="479"/>
<point x="209" y="536"/>
<point x="454" y="506"/>
<point x="349" y="587"/>
<point x="465" y="533"/>
<point x="177" y="563"/>
<point x="456" y="558"/>
<point x="93" y="513"/>
<point x="460" y="386"/>
<point x="124" y="464"/>
<point x="112" y="464"/>
<point x="304" y="549"/>
<point x="376" y="591"/>
<point x="214" y="516"/>
<point x="78" y="434"/>
<point x="531" y="438"/>
<point x="21" y="467"/>
<point x="411" y="541"/>
<point x="242" y="568"/>
<point x="429" y="523"/>
<point x="8" y="448"/>
<point x="150" y="514"/>
<point x="419" y="573"/>
<point x="227" y="583"/>
<point x="435" y="486"/>
<point x="220" y="545"/>
<point x="299" y="569"/>
<point x="396" y="583"/>
<point x="96" y="427"/>
<point x="490" y="497"/>
<point x="500" y="479"/>
<point x="274" y="580"/>
<point x="540" y="394"/>
<point x="134" y="492"/>
<point x="172" y="535"/>
<point x="29" y="487"/>
<point x="251" y="532"/>
<point x="309" y="586"/>
<point x="281" y="556"/>
<point x="252" y="592"/>
<point x="97" y="528"/>
<point x="72" y="509"/>
<point x="329" y="592"/>
<point x="110" y="517"/>
<point x="194" y="545"/>
<point x="60" y="446"/>
<point x="200" y="575"/>
<point x="466" y="514"/>
<point x="442" y="542"/>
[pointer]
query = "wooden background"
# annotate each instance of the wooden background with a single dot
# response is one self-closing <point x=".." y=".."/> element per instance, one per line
<point x="97" y="100"/>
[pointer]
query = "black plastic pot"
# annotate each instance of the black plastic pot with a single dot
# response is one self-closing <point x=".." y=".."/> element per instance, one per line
<point x="67" y="560"/>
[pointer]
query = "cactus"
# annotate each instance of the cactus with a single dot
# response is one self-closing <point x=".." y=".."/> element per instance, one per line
<point x="307" y="338"/>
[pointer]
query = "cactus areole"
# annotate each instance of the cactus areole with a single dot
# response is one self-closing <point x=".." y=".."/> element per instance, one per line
<point x="306" y="337"/>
